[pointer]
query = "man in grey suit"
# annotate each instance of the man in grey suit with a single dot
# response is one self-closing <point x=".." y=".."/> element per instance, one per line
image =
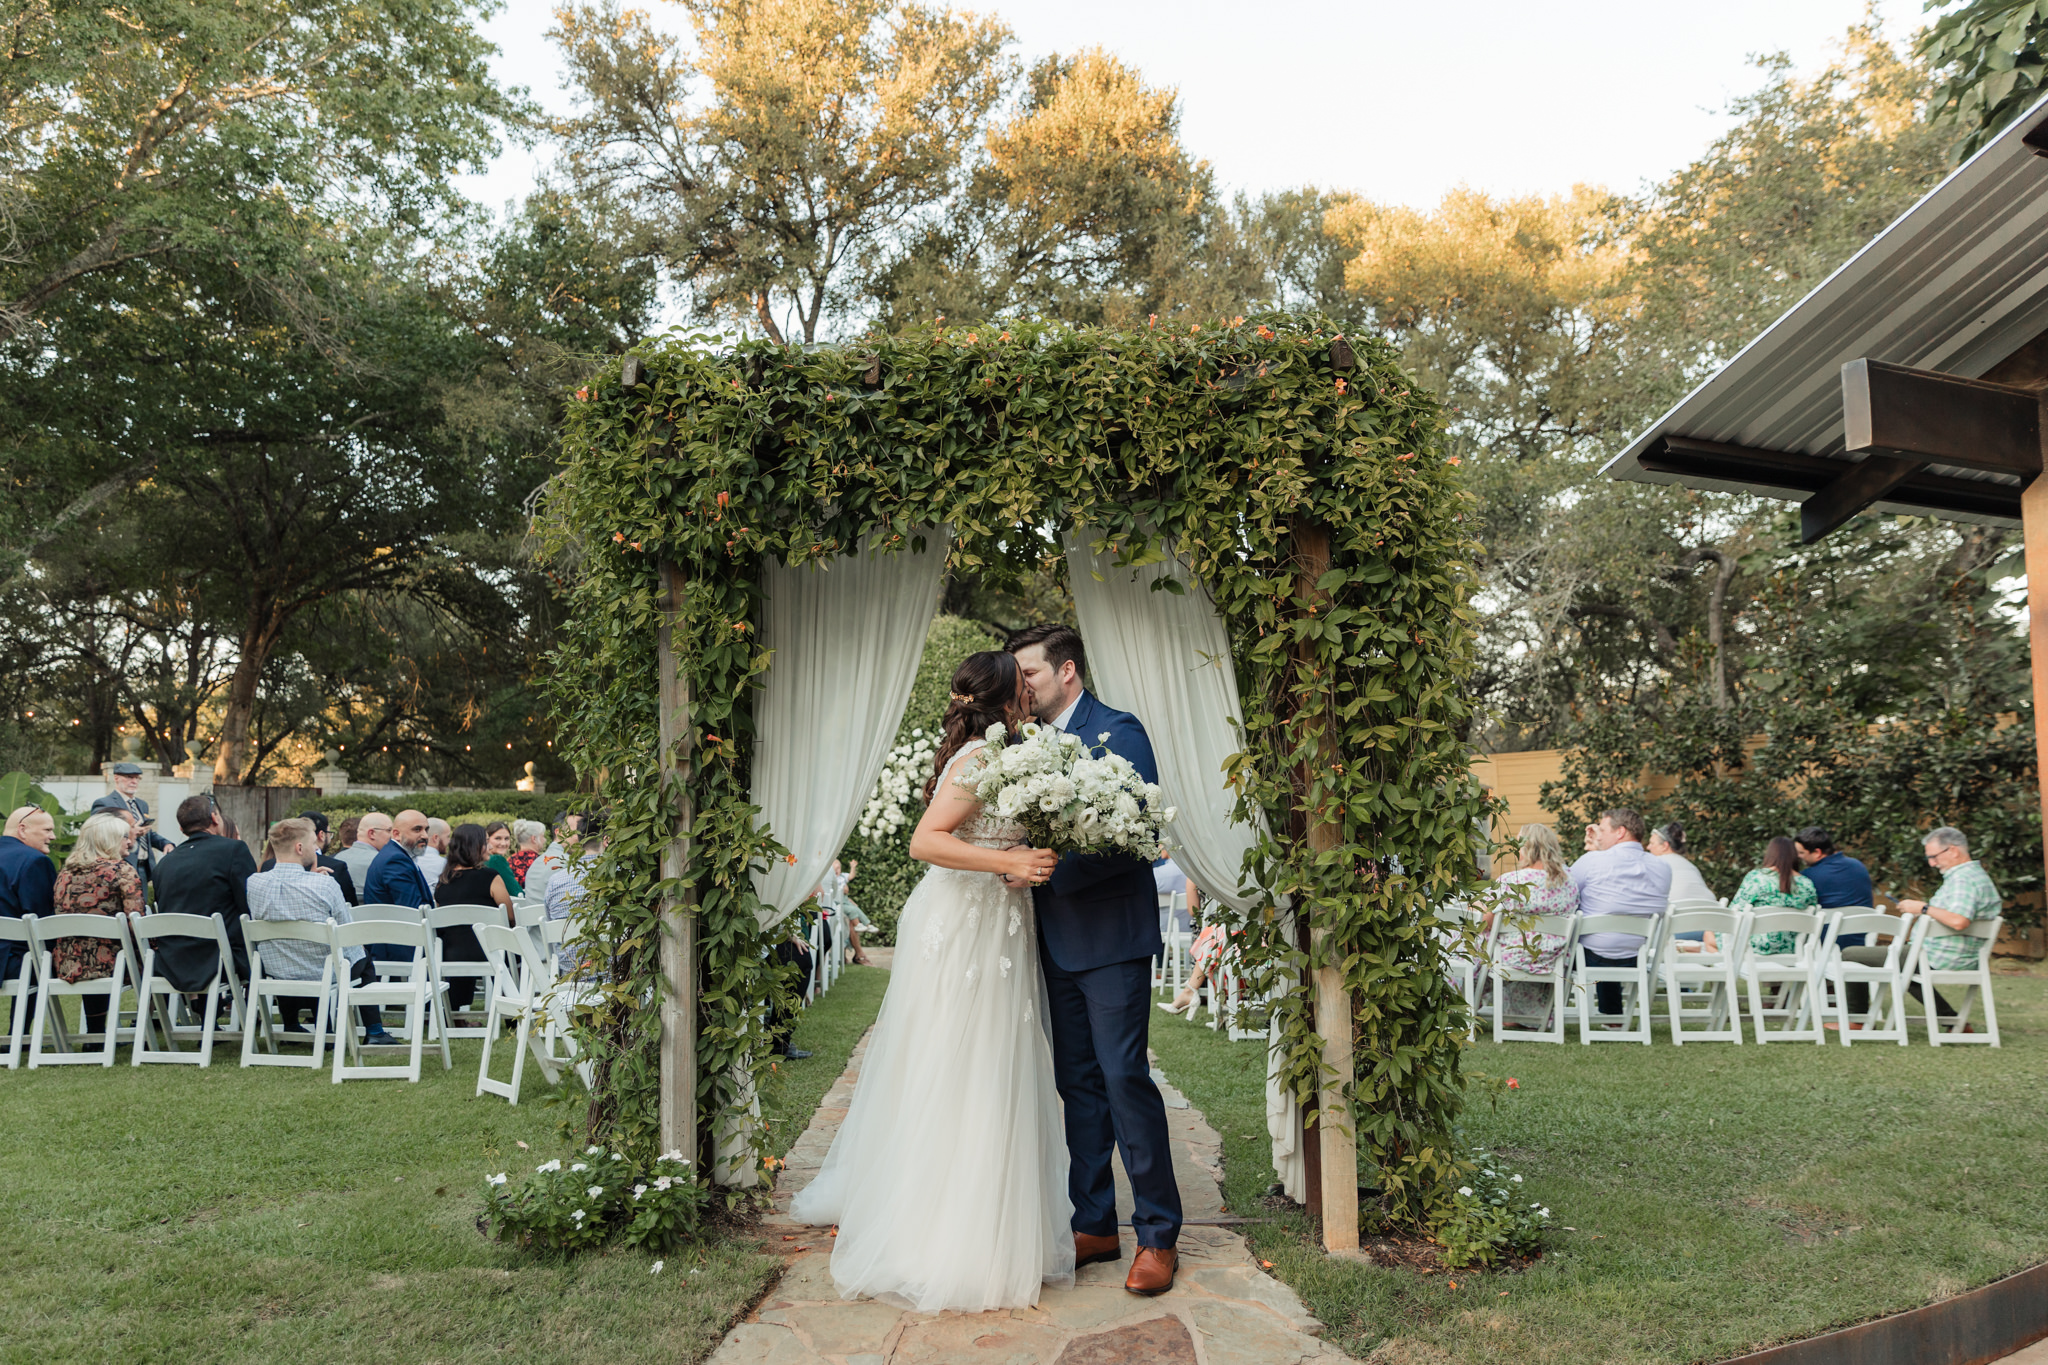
<point x="127" y="780"/>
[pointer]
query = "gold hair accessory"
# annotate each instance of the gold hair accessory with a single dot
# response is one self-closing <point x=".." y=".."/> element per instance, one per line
<point x="962" y="696"/>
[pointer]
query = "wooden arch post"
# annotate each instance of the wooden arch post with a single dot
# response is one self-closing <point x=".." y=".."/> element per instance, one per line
<point x="678" y="909"/>
<point x="1336" y="1137"/>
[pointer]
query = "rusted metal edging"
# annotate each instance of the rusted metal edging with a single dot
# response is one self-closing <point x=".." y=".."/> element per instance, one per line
<point x="1970" y="1329"/>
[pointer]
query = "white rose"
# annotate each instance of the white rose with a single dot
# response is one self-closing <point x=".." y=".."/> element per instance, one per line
<point x="995" y="733"/>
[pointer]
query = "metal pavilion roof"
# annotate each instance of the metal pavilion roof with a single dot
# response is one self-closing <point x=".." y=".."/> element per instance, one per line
<point x="1957" y="284"/>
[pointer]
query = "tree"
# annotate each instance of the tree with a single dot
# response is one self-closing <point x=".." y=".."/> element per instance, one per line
<point x="1993" y="57"/>
<point x="197" y="131"/>
<point x="826" y="130"/>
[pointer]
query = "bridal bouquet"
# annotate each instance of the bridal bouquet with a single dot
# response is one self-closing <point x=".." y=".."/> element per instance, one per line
<point x="1069" y="798"/>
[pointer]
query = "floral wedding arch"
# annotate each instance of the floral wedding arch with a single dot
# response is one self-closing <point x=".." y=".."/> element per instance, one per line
<point x="1293" y="479"/>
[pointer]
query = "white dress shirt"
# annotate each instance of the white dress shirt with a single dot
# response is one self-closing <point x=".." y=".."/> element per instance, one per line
<point x="1624" y="880"/>
<point x="1066" y="717"/>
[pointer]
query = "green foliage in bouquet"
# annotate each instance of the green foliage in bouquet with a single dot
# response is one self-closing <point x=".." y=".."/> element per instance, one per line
<point x="1230" y="442"/>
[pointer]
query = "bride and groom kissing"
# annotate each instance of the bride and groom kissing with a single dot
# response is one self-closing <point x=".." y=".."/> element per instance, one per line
<point x="1009" y="1056"/>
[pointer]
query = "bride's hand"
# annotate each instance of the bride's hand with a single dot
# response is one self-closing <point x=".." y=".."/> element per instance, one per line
<point x="1028" y="866"/>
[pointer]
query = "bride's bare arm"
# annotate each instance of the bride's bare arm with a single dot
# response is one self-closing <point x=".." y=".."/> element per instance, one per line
<point x="934" y="841"/>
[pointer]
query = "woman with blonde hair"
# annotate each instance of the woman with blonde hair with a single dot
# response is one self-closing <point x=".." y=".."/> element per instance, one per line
<point x="96" y="879"/>
<point x="1540" y="886"/>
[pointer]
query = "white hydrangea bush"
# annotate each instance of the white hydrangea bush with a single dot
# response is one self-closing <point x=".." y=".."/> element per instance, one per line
<point x="902" y="782"/>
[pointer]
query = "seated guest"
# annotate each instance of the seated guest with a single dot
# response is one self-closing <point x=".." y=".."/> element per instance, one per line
<point x="205" y="875"/>
<point x="1777" y="885"/>
<point x="468" y="879"/>
<point x="498" y="855"/>
<point x="292" y="886"/>
<point x="1966" y="896"/>
<point x="1617" y="876"/>
<point x="395" y="877"/>
<point x="1540" y="886"/>
<point x="372" y="832"/>
<point x="97" y="879"/>
<point x="567" y="891"/>
<point x="556" y="855"/>
<point x="28" y="880"/>
<point x="1668" y="843"/>
<point x="344" y="836"/>
<point x="1839" y="880"/>
<point x="530" y="840"/>
<point x="336" y="868"/>
<point x="846" y="911"/>
<point x="433" y="854"/>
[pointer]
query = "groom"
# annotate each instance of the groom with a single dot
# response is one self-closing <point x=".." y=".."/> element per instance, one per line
<point x="1098" y="931"/>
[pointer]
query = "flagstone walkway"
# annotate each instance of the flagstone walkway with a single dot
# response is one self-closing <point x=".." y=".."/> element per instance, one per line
<point x="1222" y="1310"/>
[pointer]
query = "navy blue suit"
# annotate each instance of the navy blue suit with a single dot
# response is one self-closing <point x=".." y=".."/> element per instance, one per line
<point x="28" y="885"/>
<point x="395" y="879"/>
<point x="1098" y="931"/>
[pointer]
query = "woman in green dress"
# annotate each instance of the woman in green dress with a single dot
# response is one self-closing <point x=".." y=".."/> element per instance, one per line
<point x="1777" y="885"/>
<point x="498" y="840"/>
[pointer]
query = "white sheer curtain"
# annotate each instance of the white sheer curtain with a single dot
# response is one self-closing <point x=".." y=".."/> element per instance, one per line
<point x="1165" y="657"/>
<point x="847" y="637"/>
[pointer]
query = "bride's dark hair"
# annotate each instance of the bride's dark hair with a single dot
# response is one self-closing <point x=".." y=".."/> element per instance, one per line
<point x="988" y="689"/>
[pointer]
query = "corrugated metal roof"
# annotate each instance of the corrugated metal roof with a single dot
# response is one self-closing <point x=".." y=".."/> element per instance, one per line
<point x="1957" y="284"/>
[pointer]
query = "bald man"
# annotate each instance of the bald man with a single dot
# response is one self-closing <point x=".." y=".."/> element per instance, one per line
<point x="395" y="879"/>
<point x="28" y="882"/>
<point x="373" y="831"/>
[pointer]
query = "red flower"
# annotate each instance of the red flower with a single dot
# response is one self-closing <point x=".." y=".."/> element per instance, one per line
<point x="583" y="395"/>
<point x="1514" y="1084"/>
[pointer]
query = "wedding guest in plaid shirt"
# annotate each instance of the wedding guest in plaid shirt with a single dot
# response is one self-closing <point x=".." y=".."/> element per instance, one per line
<point x="1966" y="896"/>
<point x="298" y="888"/>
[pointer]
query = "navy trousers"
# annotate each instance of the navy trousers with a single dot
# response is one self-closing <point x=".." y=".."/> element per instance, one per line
<point x="1099" y="1021"/>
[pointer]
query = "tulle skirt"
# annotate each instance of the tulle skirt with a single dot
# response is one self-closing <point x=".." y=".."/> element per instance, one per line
<point x="948" y="1178"/>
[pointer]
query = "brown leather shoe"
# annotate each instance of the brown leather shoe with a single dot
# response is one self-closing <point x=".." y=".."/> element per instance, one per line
<point x="1088" y="1249"/>
<point x="1152" y="1270"/>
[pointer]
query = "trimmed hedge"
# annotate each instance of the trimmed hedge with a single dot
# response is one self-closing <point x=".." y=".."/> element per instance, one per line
<point x="498" y="805"/>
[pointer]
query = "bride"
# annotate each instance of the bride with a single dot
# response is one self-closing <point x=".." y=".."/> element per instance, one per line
<point x="948" y="1179"/>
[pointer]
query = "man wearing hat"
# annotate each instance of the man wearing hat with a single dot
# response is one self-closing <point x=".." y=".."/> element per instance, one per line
<point x="148" y="843"/>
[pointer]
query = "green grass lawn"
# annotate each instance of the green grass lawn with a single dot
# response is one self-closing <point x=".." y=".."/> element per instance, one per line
<point x="1723" y="1197"/>
<point x="265" y="1215"/>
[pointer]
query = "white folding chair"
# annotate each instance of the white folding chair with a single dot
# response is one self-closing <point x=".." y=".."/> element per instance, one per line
<point x="1800" y="999"/>
<point x="1976" y="981"/>
<point x="1883" y="1022"/>
<point x="1565" y="927"/>
<point x="516" y="989"/>
<point x="157" y="1000"/>
<point x="1465" y="965"/>
<point x="1175" y="942"/>
<point x="265" y="986"/>
<point x="14" y="992"/>
<point x="1714" y="1002"/>
<point x="414" y="995"/>
<point x="1636" y="982"/>
<point x="388" y="969"/>
<point x="470" y="1024"/>
<point x="43" y="933"/>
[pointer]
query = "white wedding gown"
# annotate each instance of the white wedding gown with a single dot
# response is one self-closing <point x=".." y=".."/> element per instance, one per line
<point x="948" y="1179"/>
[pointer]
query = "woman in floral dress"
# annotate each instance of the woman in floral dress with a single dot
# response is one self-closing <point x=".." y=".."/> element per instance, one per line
<point x="96" y="879"/>
<point x="1540" y="886"/>
<point x="1777" y="885"/>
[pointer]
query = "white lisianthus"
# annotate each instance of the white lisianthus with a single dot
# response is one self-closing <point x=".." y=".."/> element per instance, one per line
<point x="498" y="1179"/>
<point x="655" y="1269"/>
<point x="995" y="734"/>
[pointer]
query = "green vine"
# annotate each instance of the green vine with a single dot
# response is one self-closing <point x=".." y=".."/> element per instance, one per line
<point x="1228" y="441"/>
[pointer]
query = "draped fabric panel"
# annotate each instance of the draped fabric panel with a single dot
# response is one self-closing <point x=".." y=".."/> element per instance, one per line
<point x="1165" y="657"/>
<point x="846" y="637"/>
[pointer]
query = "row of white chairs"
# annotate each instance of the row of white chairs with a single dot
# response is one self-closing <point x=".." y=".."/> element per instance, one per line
<point x="1790" y="996"/>
<point x="517" y="980"/>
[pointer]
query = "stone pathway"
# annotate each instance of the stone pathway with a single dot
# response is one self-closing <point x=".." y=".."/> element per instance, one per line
<point x="1222" y="1310"/>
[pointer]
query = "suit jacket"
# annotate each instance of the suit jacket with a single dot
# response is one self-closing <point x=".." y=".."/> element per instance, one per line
<point x="206" y="875"/>
<point x="28" y="880"/>
<point x="343" y="878"/>
<point x="1101" y="908"/>
<point x="147" y="841"/>
<point x="395" y="879"/>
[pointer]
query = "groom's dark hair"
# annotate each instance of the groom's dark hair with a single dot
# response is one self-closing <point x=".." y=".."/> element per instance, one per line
<point x="1061" y="643"/>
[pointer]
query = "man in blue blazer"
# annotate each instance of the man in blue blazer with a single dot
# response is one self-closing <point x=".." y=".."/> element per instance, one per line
<point x="395" y="879"/>
<point x="28" y="883"/>
<point x="1098" y="931"/>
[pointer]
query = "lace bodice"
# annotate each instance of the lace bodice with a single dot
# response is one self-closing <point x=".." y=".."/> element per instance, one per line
<point x="982" y="829"/>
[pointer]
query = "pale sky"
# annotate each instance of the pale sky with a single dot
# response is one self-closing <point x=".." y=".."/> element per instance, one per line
<point x="1396" y="101"/>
